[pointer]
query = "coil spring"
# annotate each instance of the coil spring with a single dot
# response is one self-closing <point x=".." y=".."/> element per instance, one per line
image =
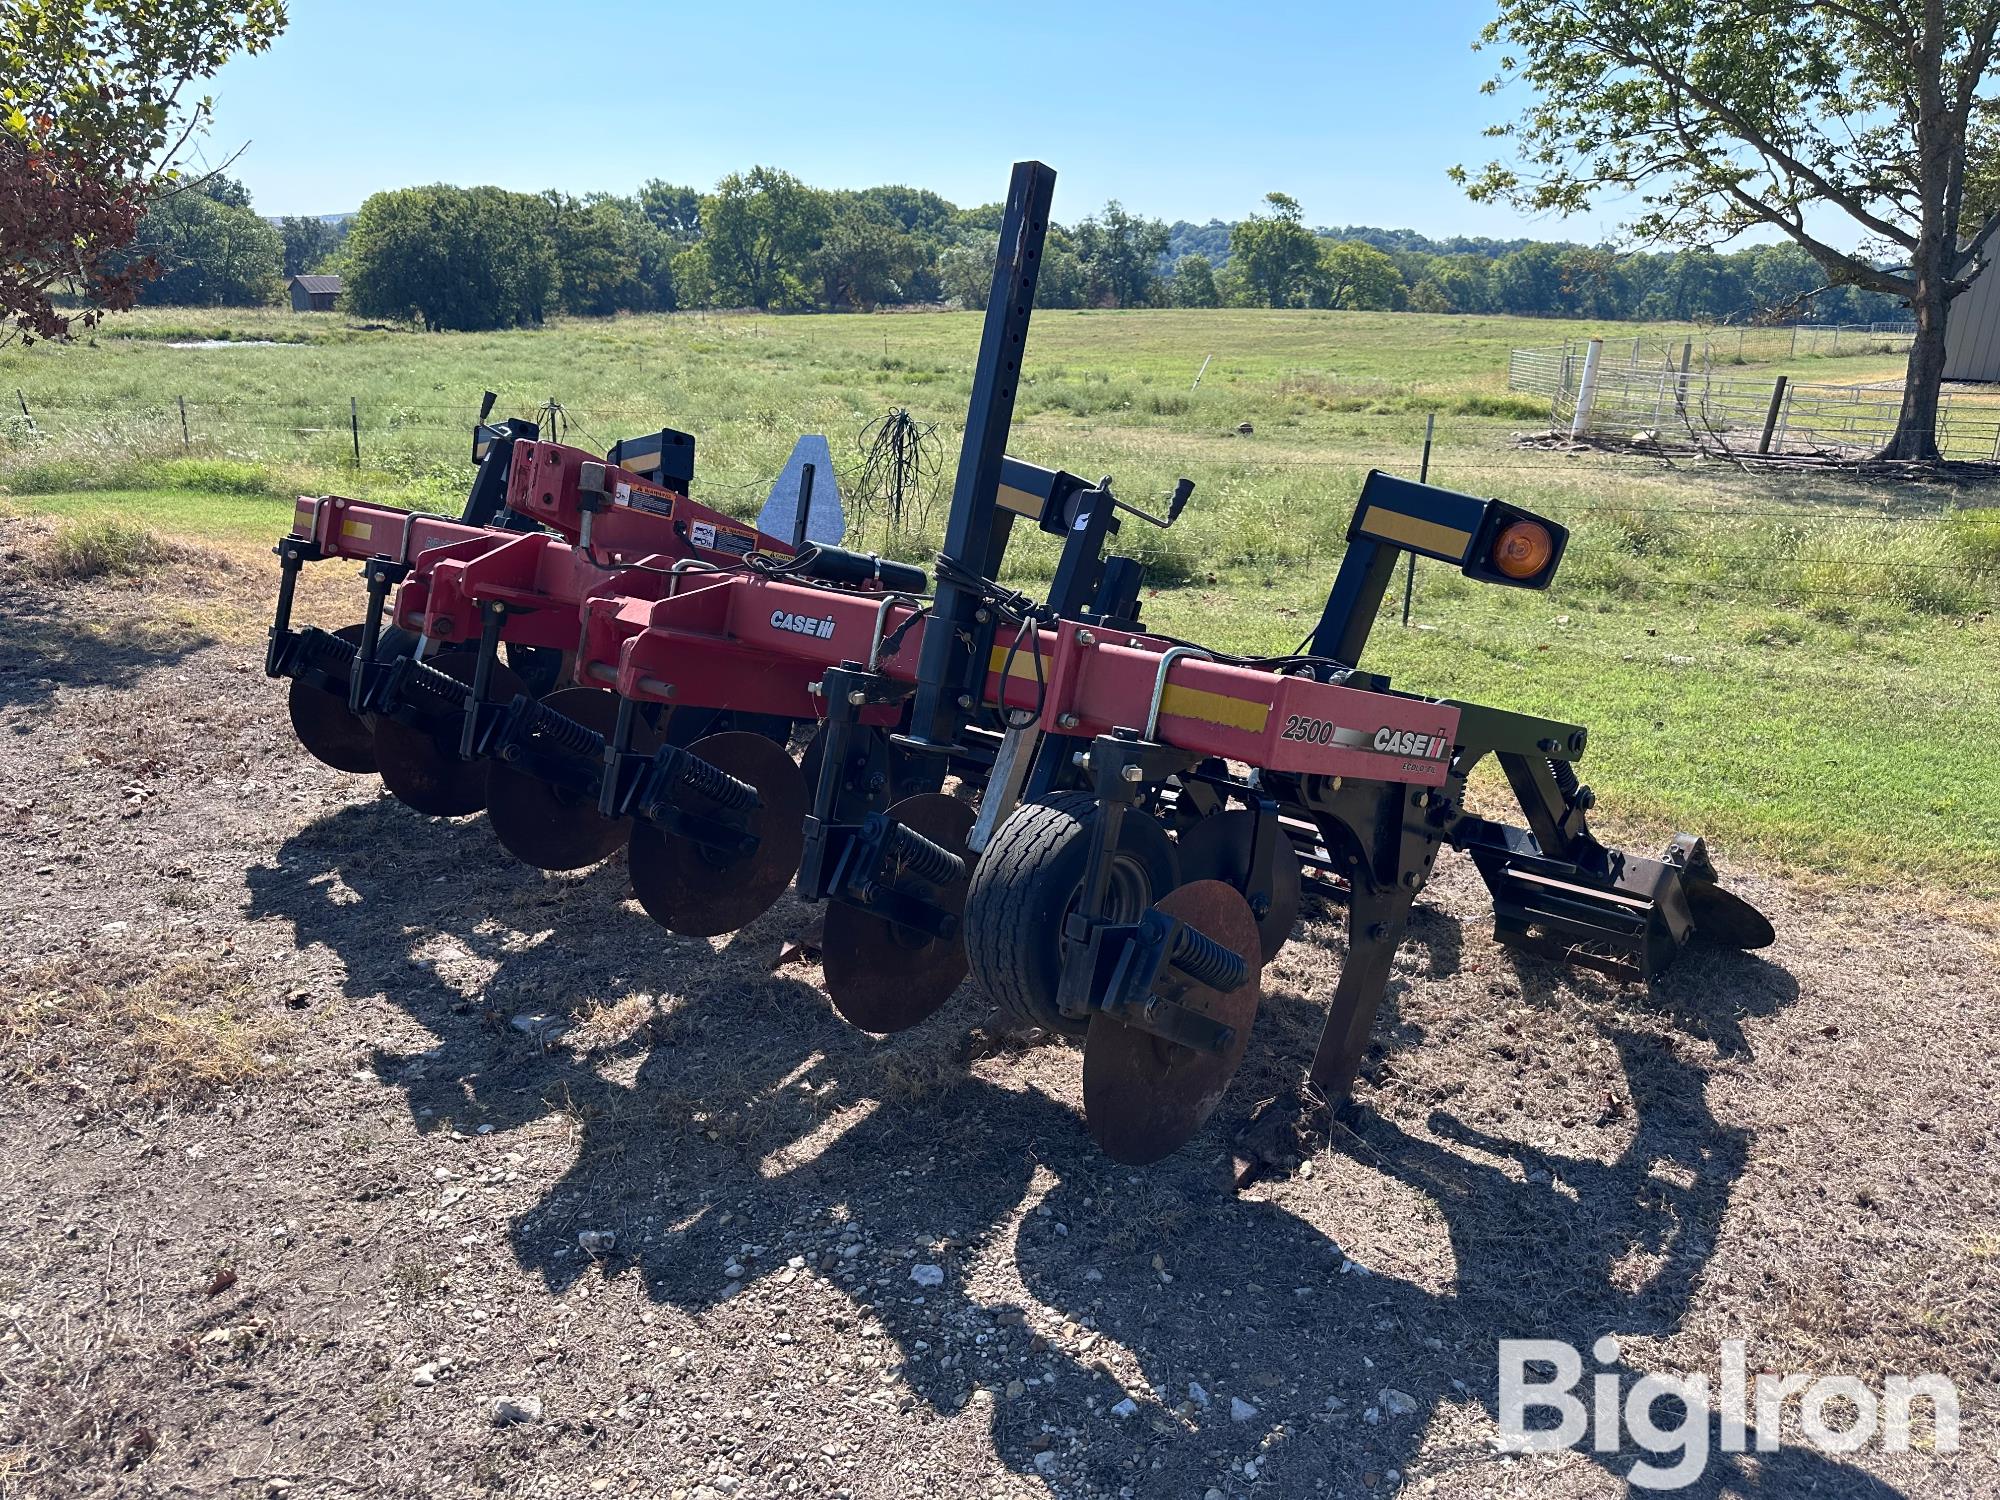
<point x="1565" y="775"/>
<point x="438" y="684"/>
<point x="1206" y="961"/>
<point x="717" y="784"/>
<point x="926" y="857"/>
<point x="323" y="651"/>
<point x="564" y="732"/>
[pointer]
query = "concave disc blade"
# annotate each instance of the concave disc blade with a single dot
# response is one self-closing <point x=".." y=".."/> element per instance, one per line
<point x="1726" y="919"/>
<point x="882" y="977"/>
<point x="1219" y="847"/>
<point x="548" y="826"/>
<point x="687" y="889"/>
<point x="421" y="764"/>
<point x="1144" y="1098"/>
<point x="320" y="719"/>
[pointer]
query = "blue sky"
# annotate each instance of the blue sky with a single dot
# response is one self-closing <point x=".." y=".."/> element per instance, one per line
<point x="1181" y="111"/>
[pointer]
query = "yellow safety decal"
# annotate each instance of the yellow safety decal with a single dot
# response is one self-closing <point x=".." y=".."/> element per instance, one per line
<point x="1247" y="714"/>
<point x="1024" y="661"/>
<point x="1021" y="502"/>
<point x="359" y="531"/>
<point x="1215" y="708"/>
<point x="1414" y="531"/>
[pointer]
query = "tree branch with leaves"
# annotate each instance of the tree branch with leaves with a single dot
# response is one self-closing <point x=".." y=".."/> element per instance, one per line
<point x="94" y="120"/>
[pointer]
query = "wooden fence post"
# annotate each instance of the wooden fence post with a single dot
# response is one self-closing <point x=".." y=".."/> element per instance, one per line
<point x="1771" y="418"/>
<point x="186" y="441"/>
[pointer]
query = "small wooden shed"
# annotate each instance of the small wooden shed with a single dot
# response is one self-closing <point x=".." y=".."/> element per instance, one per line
<point x="314" y="293"/>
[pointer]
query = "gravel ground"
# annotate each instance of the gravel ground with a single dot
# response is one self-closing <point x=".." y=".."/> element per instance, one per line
<point x="348" y="1156"/>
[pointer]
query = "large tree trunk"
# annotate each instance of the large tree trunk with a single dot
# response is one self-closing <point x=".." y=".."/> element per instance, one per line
<point x="1916" y="427"/>
<point x="1938" y="144"/>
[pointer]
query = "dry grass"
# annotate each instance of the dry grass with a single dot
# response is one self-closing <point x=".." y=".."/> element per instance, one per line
<point x="100" y="547"/>
<point x="172" y="1038"/>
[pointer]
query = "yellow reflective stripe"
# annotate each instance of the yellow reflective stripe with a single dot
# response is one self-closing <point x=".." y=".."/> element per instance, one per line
<point x="1024" y="661"/>
<point x="1414" y="531"/>
<point x="360" y="531"/>
<point x="1021" y="502"/>
<point x="1215" y="708"/>
<point x="1247" y="714"/>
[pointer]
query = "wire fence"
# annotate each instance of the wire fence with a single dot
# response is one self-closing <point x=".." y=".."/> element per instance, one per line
<point x="1851" y="545"/>
<point x="1669" y="401"/>
<point x="1717" y="347"/>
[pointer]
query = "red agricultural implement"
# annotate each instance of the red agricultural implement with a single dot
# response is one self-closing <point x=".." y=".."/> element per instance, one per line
<point x="379" y="696"/>
<point x="1108" y="828"/>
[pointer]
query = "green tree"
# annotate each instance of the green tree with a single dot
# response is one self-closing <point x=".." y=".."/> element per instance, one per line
<point x="1353" y="275"/>
<point x="1120" y="257"/>
<point x="1275" y="254"/>
<point x="211" y="249"/>
<point x="676" y="210"/>
<point x="1692" y="286"/>
<point x="1594" y="283"/>
<point x="1726" y="115"/>
<point x="965" y="271"/>
<point x="308" y="241"/>
<point x="1194" y="282"/>
<point x="596" y="262"/>
<point x="1529" y="282"/>
<point x="917" y="210"/>
<point x="1459" y="284"/>
<point x="864" y="257"/>
<point x="453" y="257"/>
<point x="95" y="114"/>
<point x="760" y="230"/>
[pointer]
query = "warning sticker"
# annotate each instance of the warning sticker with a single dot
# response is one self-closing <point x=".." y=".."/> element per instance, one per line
<point x="639" y="496"/>
<point x="712" y="538"/>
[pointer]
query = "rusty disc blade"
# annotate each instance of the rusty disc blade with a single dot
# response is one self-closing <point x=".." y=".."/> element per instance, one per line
<point x="1220" y="847"/>
<point x="320" y="718"/>
<point x="420" y="763"/>
<point x="1726" y="919"/>
<point x="552" y="827"/>
<point x="883" y="977"/>
<point x="689" y="889"/>
<point x="1144" y="1098"/>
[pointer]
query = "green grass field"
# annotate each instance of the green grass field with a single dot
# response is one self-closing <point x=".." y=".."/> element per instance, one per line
<point x="1796" y="665"/>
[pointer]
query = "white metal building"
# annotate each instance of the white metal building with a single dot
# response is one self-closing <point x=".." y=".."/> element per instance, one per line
<point x="1972" y="330"/>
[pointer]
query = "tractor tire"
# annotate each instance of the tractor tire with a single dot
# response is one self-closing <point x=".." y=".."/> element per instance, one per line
<point x="1025" y="885"/>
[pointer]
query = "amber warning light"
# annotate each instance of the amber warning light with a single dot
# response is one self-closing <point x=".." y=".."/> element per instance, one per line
<point x="1523" y="549"/>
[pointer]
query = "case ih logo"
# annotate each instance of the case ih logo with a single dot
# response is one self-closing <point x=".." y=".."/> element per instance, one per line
<point x="802" y="625"/>
<point x="1409" y="742"/>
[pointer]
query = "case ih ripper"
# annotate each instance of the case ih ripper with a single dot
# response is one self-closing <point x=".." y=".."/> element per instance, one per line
<point x="1145" y="807"/>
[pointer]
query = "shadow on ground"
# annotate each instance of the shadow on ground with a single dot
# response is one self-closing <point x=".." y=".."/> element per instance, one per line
<point x="752" y="1102"/>
<point x="77" y="649"/>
